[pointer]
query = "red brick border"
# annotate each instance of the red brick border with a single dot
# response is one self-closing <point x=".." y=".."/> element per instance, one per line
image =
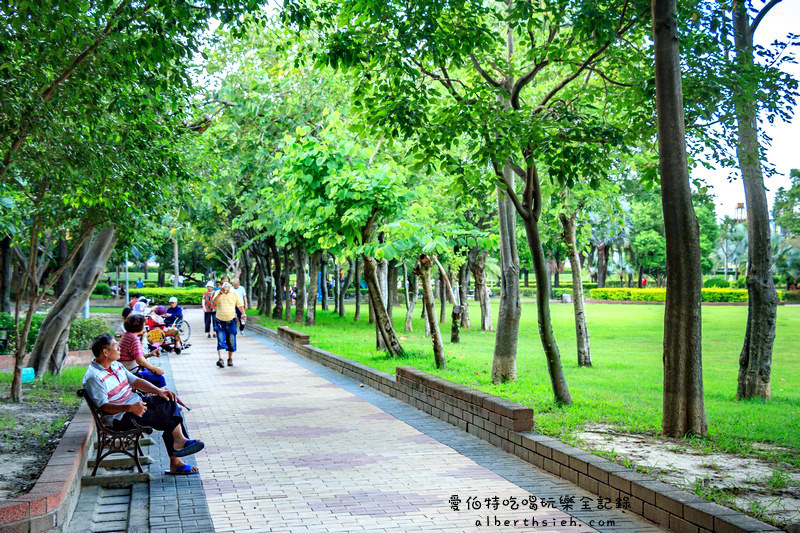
<point x="507" y="425"/>
<point x="53" y="498"/>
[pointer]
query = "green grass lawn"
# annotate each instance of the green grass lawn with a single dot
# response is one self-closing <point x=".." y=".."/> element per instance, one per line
<point x="623" y="388"/>
<point x="106" y="311"/>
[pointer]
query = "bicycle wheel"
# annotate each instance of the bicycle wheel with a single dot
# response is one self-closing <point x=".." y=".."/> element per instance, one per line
<point x="184" y="329"/>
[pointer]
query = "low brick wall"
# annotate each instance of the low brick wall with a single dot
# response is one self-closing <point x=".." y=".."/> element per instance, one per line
<point x="508" y="425"/>
<point x="49" y="505"/>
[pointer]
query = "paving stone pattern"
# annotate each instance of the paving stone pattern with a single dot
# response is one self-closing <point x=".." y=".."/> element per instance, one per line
<point x="294" y="446"/>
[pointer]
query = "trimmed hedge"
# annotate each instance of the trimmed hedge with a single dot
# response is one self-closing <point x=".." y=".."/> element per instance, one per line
<point x="162" y="296"/>
<point x="720" y="283"/>
<point x="660" y="295"/>
<point x="791" y="296"/>
<point x="103" y="289"/>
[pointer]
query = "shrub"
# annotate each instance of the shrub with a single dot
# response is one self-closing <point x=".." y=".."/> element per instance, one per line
<point x="83" y="331"/>
<point x="527" y="292"/>
<point x="660" y="295"/>
<point x="740" y="283"/>
<point x="150" y="284"/>
<point x="162" y="296"/>
<point x="724" y="295"/>
<point x="561" y="290"/>
<point x="7" y="322"/>
<point x="791" y="296"/>
<point x="717" y="282"/>
<point x="102" y="289"/>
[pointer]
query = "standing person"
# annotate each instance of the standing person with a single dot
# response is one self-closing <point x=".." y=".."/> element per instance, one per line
<point x="139" y="283"/>
<point x="209" y="309"/>
<point x="227" y="301"/>
<point x="242" y="292"/>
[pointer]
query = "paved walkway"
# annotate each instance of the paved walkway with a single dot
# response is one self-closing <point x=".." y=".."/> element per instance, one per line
<point x="294" y="446"/>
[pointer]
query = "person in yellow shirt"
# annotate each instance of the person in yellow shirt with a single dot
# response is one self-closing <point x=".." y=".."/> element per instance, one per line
<point x="225" y="323"/>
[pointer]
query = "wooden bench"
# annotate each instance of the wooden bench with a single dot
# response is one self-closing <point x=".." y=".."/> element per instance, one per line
<point x="115" y="441"/>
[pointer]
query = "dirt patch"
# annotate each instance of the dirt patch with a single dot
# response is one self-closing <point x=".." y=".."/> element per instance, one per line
<point x="761" y="489"/>
<point x="29" y="432"/>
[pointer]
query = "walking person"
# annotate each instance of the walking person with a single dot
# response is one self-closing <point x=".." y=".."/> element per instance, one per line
<point x="242" y="292"/>
<point x="209" y="309"/>
<point x="227" y="301"/>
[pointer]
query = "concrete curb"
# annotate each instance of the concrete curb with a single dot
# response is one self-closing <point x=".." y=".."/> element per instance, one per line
<point x="508" y="425"/>
<point x="51" y="502"/>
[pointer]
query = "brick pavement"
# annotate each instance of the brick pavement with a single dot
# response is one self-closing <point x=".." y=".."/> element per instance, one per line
<point x="294" y="446"/>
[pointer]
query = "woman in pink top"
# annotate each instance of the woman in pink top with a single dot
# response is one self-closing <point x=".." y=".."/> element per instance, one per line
<point x="131" y="353"/>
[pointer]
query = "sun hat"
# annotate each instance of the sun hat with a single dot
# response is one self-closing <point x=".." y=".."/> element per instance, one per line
<point x="210" y="284"/>
<point x="173" y="299"/>
<point x="160" y="310"/>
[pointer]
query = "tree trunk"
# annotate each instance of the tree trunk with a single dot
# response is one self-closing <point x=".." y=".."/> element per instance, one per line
<point x="324" y="281"/>
<point x="51" y="345"/>
<point x="62" y="252"/>
<point x="581" y="329"/>
<point x="6" y="271"/>
<point x="504" y="360"/>
<point x="423" y="269"/>
<point x="281" y="297"/>
<point x="442" y="299"/>
<point x="526" y="280"/>
<point x="335" y="285"/>
<point x="391" y="283"/>
<point x="463" y="292"/>
<point x="554" y="368"/>
<point x="175" y="262"/>
<point x="383" y="285"/>
<point x="287" y="284"/>
<point x="755" y="361"/>
<point x="346" y="285"/>
<point x="357" y="313"/>
<point x="455" y="317"/>
<point x="300" y="275"/>
<point x="314" y="267"/>
<point x="381" y="317"/>
<point x="481" y="291"/>
<point x="602" y="266"/>
<point x="683" y="405"/>
<point x="556" y="268"/>
<point x="246" y="276"/>
<point x="410" y="285"/>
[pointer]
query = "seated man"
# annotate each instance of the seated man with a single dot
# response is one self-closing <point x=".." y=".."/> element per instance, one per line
<point x="131" y="352"/>
<point x="111" y="386"/>
<point x="174" y="312"/>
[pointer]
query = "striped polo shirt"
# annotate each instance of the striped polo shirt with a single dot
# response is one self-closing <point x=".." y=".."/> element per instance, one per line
<point x="111" y="385"/>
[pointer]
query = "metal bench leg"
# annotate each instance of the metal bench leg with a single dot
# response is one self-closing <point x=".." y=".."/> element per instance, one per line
<point x="100" y="447"/>
<point x="136" y="453"/>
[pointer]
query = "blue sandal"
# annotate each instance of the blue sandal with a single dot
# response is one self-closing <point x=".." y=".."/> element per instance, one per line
<point x="184" y="470"/>
<point x="191" y="447"/>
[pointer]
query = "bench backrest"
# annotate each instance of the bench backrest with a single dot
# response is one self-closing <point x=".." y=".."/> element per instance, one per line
<point x="98" y="419"/>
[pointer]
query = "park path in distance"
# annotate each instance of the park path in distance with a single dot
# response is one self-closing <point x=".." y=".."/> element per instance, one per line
<point x="294" y="446"/>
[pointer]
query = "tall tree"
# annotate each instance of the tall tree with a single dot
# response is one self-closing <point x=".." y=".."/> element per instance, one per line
<point x="683" y="405"/>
